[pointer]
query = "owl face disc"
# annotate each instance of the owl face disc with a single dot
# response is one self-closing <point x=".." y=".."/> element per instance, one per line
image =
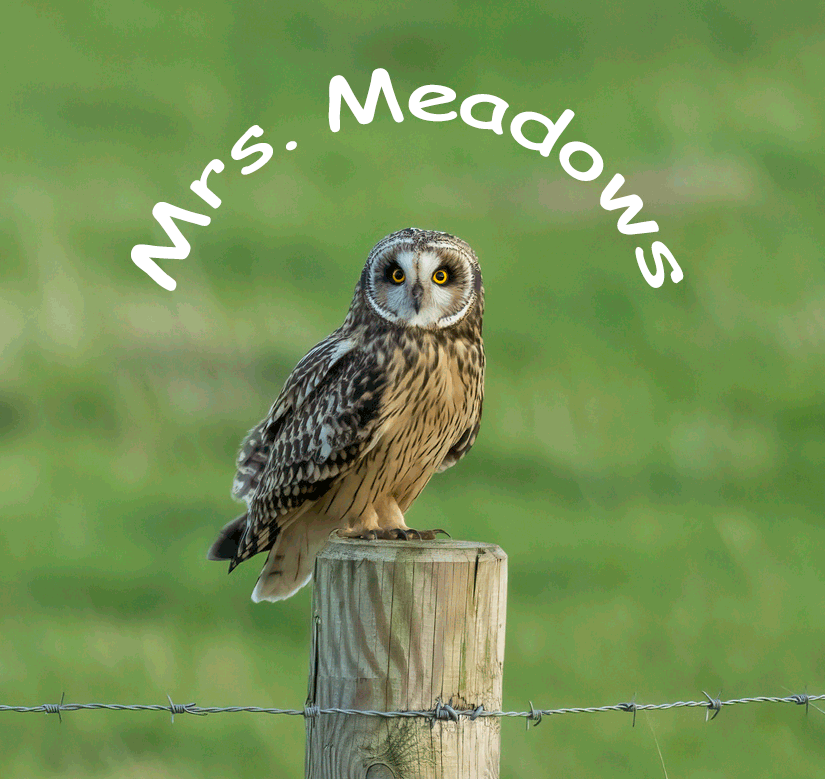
<point x="422" y="278"/>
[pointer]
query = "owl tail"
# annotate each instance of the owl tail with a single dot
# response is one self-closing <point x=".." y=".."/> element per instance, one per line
<point x="291" y="560"/>
<point x="226" y="546"/>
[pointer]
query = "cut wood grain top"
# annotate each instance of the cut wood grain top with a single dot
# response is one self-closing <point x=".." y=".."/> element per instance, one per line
<point x="422" y="551"/>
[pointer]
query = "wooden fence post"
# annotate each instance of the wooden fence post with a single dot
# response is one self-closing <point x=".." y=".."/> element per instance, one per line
<point x="398" y="625"/>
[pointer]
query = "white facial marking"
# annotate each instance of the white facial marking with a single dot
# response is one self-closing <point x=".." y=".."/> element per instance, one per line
<point x="436" y="306"/>
<point x="398" y="295"/>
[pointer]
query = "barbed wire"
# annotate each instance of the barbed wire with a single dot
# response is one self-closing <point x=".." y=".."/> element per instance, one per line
<point x="443" y="712"/>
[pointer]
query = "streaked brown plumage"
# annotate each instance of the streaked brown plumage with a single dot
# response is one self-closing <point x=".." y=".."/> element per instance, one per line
<point x="368" y="416"/>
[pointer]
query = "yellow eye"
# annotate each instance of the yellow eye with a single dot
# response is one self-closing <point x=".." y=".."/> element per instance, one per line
<point x="440" y="276"/>
<point x="398" y="276"/>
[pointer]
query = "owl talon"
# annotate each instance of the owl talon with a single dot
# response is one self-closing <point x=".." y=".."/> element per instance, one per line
<point x="395" y="534"/>
<point x="411" y="534"/>
<point x="431" y="535"/>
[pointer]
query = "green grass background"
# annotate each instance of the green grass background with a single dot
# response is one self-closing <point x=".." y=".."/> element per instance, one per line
<point x="651" y="460"/>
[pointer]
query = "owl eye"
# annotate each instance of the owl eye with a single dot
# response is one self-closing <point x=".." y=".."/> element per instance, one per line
<point x="398" y="276"/>
<point x="441" y="276"/>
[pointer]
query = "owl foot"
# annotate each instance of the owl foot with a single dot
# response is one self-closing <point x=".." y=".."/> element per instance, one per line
<point x="409" y="534"/>
<point x="361" y="535"/>
<point x="394" y="534"/>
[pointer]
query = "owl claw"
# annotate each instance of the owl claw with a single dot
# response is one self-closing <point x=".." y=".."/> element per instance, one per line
<point x="405" y="533"/>
<point x="395" y="534"/>
<point x="410" y="534"/>
<point x="430" y="535"/>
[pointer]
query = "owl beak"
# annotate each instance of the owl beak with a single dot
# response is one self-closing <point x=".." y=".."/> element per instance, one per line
<point x="417" y="294"/>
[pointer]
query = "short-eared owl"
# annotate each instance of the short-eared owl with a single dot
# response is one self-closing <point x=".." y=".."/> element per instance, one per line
<point x="390" y="398"/>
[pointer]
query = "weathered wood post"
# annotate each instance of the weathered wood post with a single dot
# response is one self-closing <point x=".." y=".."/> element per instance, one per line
<point x="399" y="625"/>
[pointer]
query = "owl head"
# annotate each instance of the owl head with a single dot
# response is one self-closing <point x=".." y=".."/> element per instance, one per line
<point x="422" y="278"/>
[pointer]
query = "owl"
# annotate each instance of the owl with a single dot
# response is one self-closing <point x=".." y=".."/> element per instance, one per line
<point x="368" y="416"/>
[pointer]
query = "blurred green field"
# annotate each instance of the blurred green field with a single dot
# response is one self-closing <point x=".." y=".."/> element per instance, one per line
<point x="651" y="460"/>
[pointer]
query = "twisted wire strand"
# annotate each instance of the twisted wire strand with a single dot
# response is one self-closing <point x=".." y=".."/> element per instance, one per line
<point x="441" y="712"/>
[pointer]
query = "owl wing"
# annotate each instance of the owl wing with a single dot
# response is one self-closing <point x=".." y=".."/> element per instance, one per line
<point x="460" y="447"/>
<point x="322" y="423"/>
<point x="252" y="460"/>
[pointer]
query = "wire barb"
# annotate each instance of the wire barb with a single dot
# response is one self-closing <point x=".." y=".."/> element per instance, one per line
<point x="183" y="708"/>
<point x="630" y="706"/>
<point x="54" y="708"/>
<point x="802" y="699"/>
<point x="713" y="704"/>
<point x="311" y="710"/>
<point x="444" y="712"/>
